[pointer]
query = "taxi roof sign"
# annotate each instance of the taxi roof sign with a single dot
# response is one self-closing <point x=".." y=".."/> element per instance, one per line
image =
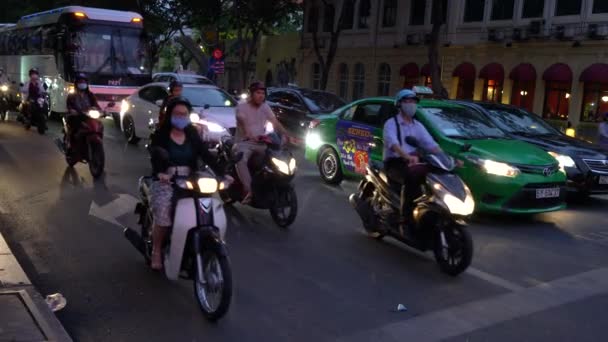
<point x="422" y="90"/>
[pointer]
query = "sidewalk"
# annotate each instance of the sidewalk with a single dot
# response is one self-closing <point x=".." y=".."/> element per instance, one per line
<point x="24" y="315"/>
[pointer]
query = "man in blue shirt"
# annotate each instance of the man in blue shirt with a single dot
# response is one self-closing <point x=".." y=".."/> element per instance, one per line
<point x="401" y="161"/>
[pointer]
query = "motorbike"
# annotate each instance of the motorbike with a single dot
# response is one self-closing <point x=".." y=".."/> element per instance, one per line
<point x="195" y="248"/>
<point x="272" y="175"/>
<point x="4" y="101"/>
<point x="35" y="114"/>
<point x="439" y="216"/>
<point x="87" y="146"/>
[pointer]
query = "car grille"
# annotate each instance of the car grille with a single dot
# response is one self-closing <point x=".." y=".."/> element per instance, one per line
<point x="526" y="197"/>
<point x="546" y="170"/>
<point x="110" y="97"/>
<point x="595" y="165"/>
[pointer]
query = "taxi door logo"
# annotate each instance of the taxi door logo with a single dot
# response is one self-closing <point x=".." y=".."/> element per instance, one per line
<point x="361" y="161"/>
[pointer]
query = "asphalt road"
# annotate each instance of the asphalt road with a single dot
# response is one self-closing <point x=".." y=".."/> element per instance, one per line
<point x="543" y="278"/>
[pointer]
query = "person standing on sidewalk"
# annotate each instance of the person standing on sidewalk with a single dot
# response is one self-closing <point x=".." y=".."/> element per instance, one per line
<point x="603" y="132"/>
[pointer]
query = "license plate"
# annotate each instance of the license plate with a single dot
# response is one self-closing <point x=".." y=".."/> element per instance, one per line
<point x="547" y="193"/>
<point x="603" y="180"/>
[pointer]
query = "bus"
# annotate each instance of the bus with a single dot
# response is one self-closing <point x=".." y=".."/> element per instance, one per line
<point x="108" y="46"/>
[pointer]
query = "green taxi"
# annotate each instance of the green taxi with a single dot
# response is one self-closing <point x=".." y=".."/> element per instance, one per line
<point x="505" y="175"/>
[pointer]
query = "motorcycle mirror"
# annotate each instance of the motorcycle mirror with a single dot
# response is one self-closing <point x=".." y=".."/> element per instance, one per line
<point x="411" y="141"/>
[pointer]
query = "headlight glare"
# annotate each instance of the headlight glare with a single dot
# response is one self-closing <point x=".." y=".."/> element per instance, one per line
<point x="4" y="88"/>
<point x="281" y="165"/>
<point x="313" y="140"/>
<point x="564" y="161"/>
<point x="292" y="165"/>
<point x="458" y="207"/>
<point x="207" y="185"/>
<point x="213" y="127"/>
<point x="500" y="169"/>
<point x="194" y="117"/>
<point x="94" y="114"/>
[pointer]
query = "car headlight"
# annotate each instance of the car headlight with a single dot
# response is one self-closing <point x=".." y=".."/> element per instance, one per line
<point x="313" y="140"/>
<point x="281" y="165"/>
<point x="500" y="169"/>
<point x="4" y="88"/>
<point x="194" y="117"/>
<point x="207" y="185"/>
<point x="213" y="127"/>
<point x="94" y="114"/>
<point x="124" y="107"/>
<point x="564" y="161"/>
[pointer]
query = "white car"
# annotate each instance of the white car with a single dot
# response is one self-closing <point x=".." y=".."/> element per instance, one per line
<point x="212" y="107"/>
<point x="181" y="77"/>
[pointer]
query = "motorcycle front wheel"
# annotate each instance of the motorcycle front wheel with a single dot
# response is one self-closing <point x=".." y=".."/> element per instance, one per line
<point x="285" y="210"/>
<point x="453" y="250"/>
<point x="96" y="159"/>
<point x="214" y="293"/>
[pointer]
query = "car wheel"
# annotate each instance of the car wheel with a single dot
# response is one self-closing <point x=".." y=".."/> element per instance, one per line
<point x="330" y="167"/>
<point x="128" y="128"/>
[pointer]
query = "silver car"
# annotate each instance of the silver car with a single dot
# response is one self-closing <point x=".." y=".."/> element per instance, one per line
<point x="212" y="107"/>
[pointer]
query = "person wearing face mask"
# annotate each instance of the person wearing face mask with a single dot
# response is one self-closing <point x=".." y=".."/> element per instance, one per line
<point x="78" y="104"/>
<point x="400" y="159"/>
<point x="175" y="90"/>
<point x="176" y="148"/>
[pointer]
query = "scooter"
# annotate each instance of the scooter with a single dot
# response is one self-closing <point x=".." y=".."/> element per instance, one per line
<point x="195" y="247"/>
<point x="34" y="114"/>
<point x="272" y="179"/>
<point x="438" y="218"/>
<point x="87" y="146"/>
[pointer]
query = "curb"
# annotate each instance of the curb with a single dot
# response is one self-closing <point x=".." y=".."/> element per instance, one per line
<point x="24" y="314"/>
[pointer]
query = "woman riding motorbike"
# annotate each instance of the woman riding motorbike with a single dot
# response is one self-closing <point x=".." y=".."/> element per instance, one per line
<point x="78" y="104"/>
<point x="175" y="149"/>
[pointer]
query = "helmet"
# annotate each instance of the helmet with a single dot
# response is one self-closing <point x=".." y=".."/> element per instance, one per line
<point x="81" y="77"/>
<point x="34" y="71"/>
<point x="179" y="100"/>
<point x="175" y="84"/>
<point x="257" y="85"/>
<point x="405" y="94"/>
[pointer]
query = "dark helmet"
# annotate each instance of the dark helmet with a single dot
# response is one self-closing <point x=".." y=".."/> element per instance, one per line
<point x="175" y="84"/>
<point x="180" y="100"/>
<point x="256" y="85"/>
<point x="34" y="71"/>
<point x="82" y="77"/>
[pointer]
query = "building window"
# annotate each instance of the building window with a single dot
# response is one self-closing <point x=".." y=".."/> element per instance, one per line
<point x="502" y="9"/>
<point x="316" y="76"/>
<point x="444" y="12"/>
<point x="358" y="81"/>
<point x="389" y="18"/>
<point x="313" y="19"/>
<point x="568" y="7"/>
<point x="384" y="79"/>
<point x="329" y="15"/>
<point x="600" y="6"/>
<point x="343" y="81"/>
<point x="595" y="101"/>
<point x="348" y="16"/>
<point x="523" y="94"/>
<point x="557" y="100"/>
<point x="364" y="13"/>
<point x="473" y="10"/>
<point x="492" y="91"/>
<point x="417" y="12"/>
<point x="533" y="8"/>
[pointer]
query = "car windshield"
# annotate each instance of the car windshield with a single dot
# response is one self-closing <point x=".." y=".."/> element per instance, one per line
<point x="194" y="79"/>
<point x="518" y="121"/>
<point x="463" y="123"/>
<point x="199" y="97"/>
<point x="321" y="102"/>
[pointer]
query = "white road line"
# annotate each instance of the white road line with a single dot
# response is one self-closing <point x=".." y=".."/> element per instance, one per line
<point x="469" y="317"/>
<point x="490" y="278"/>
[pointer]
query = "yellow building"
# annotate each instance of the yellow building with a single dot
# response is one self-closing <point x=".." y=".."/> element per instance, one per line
<point x="277" y="59"/>
<point x="549" y="56"/>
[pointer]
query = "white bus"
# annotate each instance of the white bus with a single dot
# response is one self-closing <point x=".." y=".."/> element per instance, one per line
<point x="108" y="46"/>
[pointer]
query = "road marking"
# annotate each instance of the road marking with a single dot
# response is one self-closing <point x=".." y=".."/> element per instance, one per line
<point x="490" y="278"/>
<point x="469" y="317"/>
<point x="124" y="204"/>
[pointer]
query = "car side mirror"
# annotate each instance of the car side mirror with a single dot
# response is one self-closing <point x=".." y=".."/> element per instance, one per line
<point x="411" y="141"/>
<point x="466" y="147"/>
<point x="159" y="102"/>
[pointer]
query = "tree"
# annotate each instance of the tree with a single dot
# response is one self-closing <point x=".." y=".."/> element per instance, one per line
<point x="326" y="61"/>
<point x="438" y="19"/>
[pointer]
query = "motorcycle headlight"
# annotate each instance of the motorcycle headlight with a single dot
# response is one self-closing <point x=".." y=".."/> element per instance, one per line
<point x="458" y="207"/>
<point x="500" y="169"/>
<point x="94" y="114"/>
<point x="281" y="165"/>
<point x="269" y="127"/>
<point x="207" y="185"/>
<point x="292" y="165"/>
<point x="4" y="88"/>
<point x="194" y="117"/>
<point x="563" y="160"/>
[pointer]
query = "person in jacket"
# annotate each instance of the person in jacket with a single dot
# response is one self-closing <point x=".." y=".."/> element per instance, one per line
<point x="78" y="104"/>
<point x="603" y="132"/>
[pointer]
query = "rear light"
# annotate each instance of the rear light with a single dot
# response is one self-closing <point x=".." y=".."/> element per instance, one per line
<point x="136" y="20"/>
<point x="80" y="15"/>
<point x="314" y="123"/>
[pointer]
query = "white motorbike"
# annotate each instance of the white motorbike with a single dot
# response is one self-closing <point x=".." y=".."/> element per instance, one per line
<point x="195" y="247"/>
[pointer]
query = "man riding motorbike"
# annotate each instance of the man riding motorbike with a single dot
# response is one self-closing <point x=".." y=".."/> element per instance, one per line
<point x="175" y="150"/>
<point x="400" y="159"/>
<point x="78" y="104"/>
<point x="32" y="91"/>
<point x="175" y="90"/>
<point x="251" y="118"/>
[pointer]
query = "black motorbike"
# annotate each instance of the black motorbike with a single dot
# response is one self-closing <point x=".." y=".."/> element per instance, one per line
<point x="438" y="218"/>
<point x="272" y="175"/>
<point x="34" y="113"/>
<point x="4" y="101"/>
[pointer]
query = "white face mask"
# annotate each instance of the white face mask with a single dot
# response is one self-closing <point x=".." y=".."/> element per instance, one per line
<point x="409" y="109"/>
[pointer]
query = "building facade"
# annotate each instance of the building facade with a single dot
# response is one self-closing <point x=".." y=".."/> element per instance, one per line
<point x="549" y="56"/>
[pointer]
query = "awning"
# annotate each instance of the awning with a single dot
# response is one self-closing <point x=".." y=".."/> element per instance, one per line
<point x="523" y="72"/>
<point x="558" y="72"/>
<point x="465" y="71"/>
<point x="410" y="70"/>
<point x="426" y="70"/>
<point x="596" y="73"/>
<point x="493" y="71"/>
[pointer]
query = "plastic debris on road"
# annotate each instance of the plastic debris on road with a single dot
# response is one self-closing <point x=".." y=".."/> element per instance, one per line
<point x="56" y="302"/>
<point x="401" y="308"/>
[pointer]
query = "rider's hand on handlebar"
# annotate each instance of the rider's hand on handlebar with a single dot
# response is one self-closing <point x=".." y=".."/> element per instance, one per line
<point x="163" y="177"/>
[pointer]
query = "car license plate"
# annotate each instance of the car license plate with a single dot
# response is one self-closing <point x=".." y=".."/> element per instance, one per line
<point x="603" y="180"/>
<point x="547" y="193"/>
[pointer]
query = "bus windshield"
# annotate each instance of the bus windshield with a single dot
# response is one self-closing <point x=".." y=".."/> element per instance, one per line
<point x="109" y="50"/>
